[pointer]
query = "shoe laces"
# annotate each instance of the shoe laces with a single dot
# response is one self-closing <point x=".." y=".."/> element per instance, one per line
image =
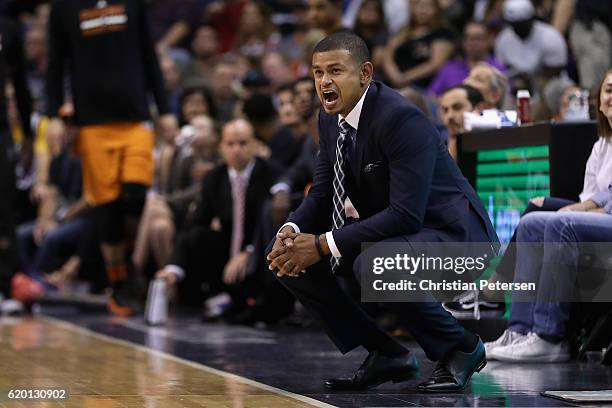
<point x="530" y="338"/>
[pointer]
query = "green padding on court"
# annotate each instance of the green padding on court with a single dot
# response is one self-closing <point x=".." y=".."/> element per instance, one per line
<point x="529" y="181"/>
<point x="517" y="167"/>
<point x="528" y="152"/>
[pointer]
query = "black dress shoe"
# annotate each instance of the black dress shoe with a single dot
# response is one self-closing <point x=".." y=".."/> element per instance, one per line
<point x="453" y="373"/>
<point x="378" y="369"/>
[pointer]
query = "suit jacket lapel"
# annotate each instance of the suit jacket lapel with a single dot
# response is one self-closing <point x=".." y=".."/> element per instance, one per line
<point x="363" y="131"/>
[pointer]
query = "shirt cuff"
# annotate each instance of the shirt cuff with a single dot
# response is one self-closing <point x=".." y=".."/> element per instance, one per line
<point x="601" y="198"/>
<point x="278" y="187"/>
<point x="291" y="224"/>
<point x="177" y="270"/>
<point x="332" y="245"/>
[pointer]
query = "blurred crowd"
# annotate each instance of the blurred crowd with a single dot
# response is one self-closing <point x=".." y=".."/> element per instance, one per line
<point x="243" y="124"/>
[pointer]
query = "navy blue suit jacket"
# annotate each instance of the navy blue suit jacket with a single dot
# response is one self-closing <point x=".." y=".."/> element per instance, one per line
<point x="402" y="180"/>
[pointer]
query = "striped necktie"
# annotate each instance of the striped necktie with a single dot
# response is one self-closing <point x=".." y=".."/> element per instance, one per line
<point x="339" y="186"/>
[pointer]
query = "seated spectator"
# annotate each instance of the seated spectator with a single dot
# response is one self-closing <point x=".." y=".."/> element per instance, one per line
<point x="528" y="46"/>
<point x="457" y="12"/>
<point x="395" y="13"/>
<point x="492" y="84"/>
<point x="195" y="102"/>
<point x="179" y="174"/>
<point x="453" y="104"/>
<point x="597" y="178"/>
<point x="282" y="145"/>
<point x="536" y="330"/>
<point x="489" y="12"/>
<point x="419" y="50"/>
<point x="256" y="33"/>
<point x="214" y="249"/>
<point x="222" y="82"/>
<point x="306" y="103"/>
<point x="555" y="100"/>
<point x="55" y="247"/>
<point x="294" y="27"/>
<point x="289" y="192"/>
<point x="170" y="74"/>
<point x="204" y="52"/>
<point x="224" y="16"/>
<point x="476" y="46"/>
<point x="255" y="82"/>
<point x="288" y="114"/>
<point x="326" y="15"/>
<point x="371" y="25"/>
<point x="590" y="37"/>
<point x="276" y="67"/>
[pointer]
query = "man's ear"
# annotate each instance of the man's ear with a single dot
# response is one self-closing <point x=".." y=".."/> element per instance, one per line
<point x="367" y="71"/>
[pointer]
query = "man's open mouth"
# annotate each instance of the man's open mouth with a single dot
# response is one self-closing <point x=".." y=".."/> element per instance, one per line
<point x="330" y="97"/>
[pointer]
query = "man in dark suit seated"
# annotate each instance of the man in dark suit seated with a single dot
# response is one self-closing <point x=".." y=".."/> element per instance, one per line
<point x="213" y="249"/>
<point x="378" y="149"/>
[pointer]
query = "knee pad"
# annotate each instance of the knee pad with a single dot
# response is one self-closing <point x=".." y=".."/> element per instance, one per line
<point x="133" y="196"/>
<point x="109" y="219"/>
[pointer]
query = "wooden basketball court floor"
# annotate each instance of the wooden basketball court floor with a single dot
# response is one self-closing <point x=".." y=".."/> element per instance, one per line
<point x="104" y="372"/>
<point x="123" y="363"/>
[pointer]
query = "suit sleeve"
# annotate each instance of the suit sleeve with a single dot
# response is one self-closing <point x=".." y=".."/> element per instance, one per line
<point x="315" y="213"/>
<point x="411" y="149"/>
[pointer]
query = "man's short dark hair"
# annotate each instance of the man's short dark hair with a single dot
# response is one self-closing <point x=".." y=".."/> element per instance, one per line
<point x="473" y="94"/>
<point x="345" y="41"/>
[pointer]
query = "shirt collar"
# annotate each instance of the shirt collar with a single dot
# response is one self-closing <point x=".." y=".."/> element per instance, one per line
<point x="353" y="117"/>
<point x="246" y="173"/>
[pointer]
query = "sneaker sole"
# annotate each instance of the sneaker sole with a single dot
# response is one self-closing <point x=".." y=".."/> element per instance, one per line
<point x="541" y="359"/>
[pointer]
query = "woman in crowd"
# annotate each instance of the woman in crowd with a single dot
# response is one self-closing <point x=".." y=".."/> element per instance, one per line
<point x="371" y="25"/>
<point x="547" y="254"/>
<point x="256" y="34"/>
<point x="180" y="170"/>
<point x="193" y="102"/>
<point x="418" y="51"/>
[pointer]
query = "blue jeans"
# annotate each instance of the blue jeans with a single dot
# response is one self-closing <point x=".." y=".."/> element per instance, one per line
<point x="545" y="264"/>
<point x="57" y="246"/>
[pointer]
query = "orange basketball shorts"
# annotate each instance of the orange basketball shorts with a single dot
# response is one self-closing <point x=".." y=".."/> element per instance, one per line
<point x="114" y="154"/>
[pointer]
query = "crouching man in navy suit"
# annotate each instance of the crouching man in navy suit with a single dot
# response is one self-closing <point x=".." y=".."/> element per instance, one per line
<point x="380" y="151"/>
